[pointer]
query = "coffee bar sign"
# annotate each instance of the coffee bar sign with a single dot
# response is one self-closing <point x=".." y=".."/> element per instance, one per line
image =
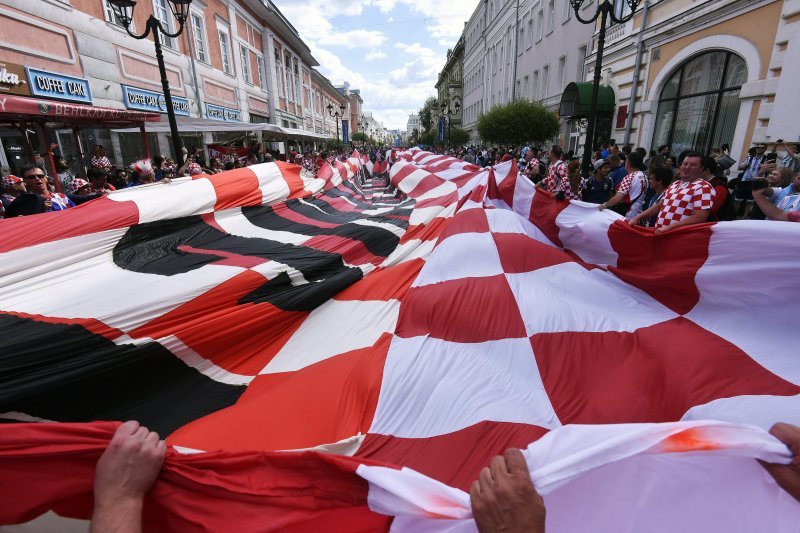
<point x="13" y="80"/>
<point x="144" y="100"/>
<point x="46" y="84"/>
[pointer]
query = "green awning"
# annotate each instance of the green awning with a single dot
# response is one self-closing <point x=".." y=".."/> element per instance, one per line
<point x="577" y="98"/>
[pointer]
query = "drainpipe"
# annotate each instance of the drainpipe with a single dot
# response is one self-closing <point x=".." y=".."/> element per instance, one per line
<point x="189" y="41"/>
<point x="634" y="89"/>
<point x="516" y="54"/>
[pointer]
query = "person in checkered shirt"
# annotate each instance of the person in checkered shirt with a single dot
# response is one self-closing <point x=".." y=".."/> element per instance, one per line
<point x="686" y="201"/>
<point x="632" y="188"/>
<point x="557" y="173"/>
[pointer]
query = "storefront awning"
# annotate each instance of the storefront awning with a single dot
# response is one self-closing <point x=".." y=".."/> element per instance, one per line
<point x="577" y="98"/>
<point x="194" y="125"/>
<point x="20" y="108"/>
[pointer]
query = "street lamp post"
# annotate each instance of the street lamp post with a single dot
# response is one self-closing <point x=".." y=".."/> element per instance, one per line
<point x="123" y="9"/>
<point x="336" y="115"/>
<point x="446" y="111"/>
<point x="363" y="125"/>
<point x="605" y="9"/>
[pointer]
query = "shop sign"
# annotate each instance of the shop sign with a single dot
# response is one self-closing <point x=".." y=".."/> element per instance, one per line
<point x="51" y="85"/>
<point x="217" y="112"/>
<point x="144" y="100"/>
<point x="13" y="79"/>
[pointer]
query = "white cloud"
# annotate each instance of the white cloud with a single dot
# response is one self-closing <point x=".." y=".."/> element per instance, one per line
<point x="393" y="82"/>
<point x="374" y="55"/>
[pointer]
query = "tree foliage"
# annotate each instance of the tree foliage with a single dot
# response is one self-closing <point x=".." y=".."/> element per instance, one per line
<point x="359" y="136"/>
<point x="518" y="122"/>
<point x="428" y="138"/>
<point x="458" y="137"/>
<point x="427" y="114"/>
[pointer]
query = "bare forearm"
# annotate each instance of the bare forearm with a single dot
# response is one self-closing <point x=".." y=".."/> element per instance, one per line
<point x="117" y="517"/>
<point x="617" y="198"/>
<point x="769" y="209"/>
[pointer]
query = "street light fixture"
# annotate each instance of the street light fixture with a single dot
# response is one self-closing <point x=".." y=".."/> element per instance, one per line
<point x="605" y="9"/>
<point x="337" y="115"/>
<point x="123" y="9"/>
<point x="446" y="111"/>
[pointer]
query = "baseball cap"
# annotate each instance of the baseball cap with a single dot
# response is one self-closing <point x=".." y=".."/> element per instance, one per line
<point x="77" y="183"/>
<point x="10" y="180"/>
<point x="600" y="162"/>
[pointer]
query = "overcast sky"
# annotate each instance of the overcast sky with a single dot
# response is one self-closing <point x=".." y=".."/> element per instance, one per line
<point x="392" y="50"/>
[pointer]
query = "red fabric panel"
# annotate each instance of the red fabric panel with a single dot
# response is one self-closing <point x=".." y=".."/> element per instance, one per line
<point x="462" y="310"/>
<point x="425" y="232"/>
<point x="384" y="283"/>
<point x="505" y="189"/>
<point x="234" y="188"/>
<point x="402" y="173"/>
<point x="283" y="211"/>
<point x="426" y="184"/>
<point x="326" y="402"/>
<point x="209" y="323"/>
<point x="664" y="266"/>
<point x="653" y="375"/>
<point x="544" y="210"/>
<point x="519" y="253"/>
<point x="455" y="458"/>
<point x="466" y="221"/>
<point x="291" y="173"/>
<point x="97" y="215"/>
<point x="51" y="466"/>
<point x="439" y="201"/>
<point x="352" y="251"/>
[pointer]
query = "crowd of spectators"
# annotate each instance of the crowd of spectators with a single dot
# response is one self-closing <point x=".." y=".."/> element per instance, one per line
<point x="660" y="189"/>
<point x="35" y="191"/>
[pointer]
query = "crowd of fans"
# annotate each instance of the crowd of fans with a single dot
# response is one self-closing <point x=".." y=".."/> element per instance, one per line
<point x="35" y="191"/>
<point x="659" y="189"/>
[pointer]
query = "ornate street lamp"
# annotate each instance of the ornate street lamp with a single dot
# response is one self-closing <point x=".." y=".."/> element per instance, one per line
<point x="123" y="9"/>
<point x="606" y="9"/>
<point x="337" y="115"/>
<point x="446" y="111"/>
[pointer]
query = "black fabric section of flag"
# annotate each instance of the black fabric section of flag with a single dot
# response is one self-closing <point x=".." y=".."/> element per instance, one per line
<point x="66" y="373"/>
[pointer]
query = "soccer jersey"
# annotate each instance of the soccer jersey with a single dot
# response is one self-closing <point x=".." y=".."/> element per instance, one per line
<point x="633" y="186"/>
<point x="555" y="176"/>
<point x="682" y="198"/>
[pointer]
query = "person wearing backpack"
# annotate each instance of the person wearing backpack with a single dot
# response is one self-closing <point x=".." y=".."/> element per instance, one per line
<point x="629" y="197"/>
<point x="599" y="187"/>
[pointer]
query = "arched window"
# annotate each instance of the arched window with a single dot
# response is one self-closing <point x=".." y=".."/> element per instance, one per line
<point x="699" y="105"/>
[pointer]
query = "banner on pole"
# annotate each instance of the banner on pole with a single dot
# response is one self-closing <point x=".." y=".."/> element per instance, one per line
<point x="441" y="128"/>
<point x="345" y="131"/>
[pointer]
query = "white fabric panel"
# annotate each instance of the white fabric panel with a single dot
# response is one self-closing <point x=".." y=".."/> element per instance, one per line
<point x="119" y="298"/>
<point x="758" y="259"/>
<point x="408" y="251"/>
<point x="626" y="478"/>
<point x="524" y="191"/>
<point x="607" y="303"/>
<point x="760" y="410"/>
<point x="431" y="387"/>
<point x="360" y="324"/>
<point x="583" y="229"/>
<point x="408" y="183"/>
<point x="163" y="201"/>
<point x="440" y="190"/>
<point x="423" y="215"/>
<point x="235" y="223"/>
<point x="271" y="182"/>
<point x="459" y="256"/>
<point x="504" y="221"/>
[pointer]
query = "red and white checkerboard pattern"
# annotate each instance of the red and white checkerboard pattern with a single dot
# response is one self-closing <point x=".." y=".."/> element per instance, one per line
<point x="505" y="316"/>
<point x="682" y="198"/>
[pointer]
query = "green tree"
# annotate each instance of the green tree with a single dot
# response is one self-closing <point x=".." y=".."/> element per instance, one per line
<point x="359" y="136"/>
<point x="458" y="137"/>
<point x="427" y="114"/>
<point x="518" y="122"/>
<point x="428" y="138"/>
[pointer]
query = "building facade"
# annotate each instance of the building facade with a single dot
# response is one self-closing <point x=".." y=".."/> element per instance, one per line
<point x="533" y="52"/>
<point x="710" y="73"/>
<point x="449" y="86"/>
<point x="236" y="61"/>
<point x="413" y="125"/>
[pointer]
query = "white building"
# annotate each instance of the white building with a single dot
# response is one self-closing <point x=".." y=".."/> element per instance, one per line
<point x="412" y="124"/>
<point x="542" y="43"/>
